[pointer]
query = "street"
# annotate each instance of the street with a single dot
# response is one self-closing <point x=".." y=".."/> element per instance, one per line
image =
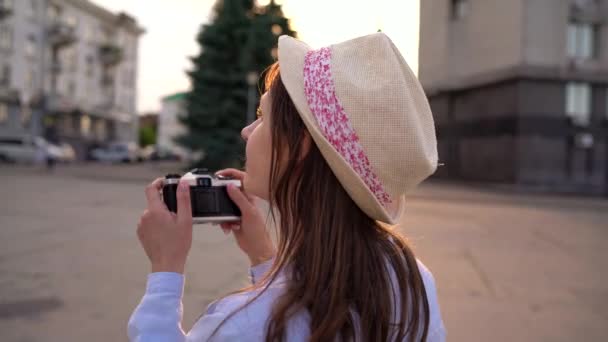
<point x="508" y="266"/>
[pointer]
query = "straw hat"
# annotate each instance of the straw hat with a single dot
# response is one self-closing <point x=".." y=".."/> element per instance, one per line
<point x="368" y="115"/>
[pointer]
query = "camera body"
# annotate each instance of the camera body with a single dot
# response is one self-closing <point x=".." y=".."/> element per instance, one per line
<point x="208" y="196"/>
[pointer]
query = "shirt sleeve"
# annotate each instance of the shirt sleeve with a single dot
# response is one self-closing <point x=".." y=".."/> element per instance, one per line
<point x="437" y="332"/>
<point x="159" y="314"/>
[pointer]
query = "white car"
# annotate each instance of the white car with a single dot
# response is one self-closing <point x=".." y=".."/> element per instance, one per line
<point x="28" y="150"/>
<point x="116" y="152"/>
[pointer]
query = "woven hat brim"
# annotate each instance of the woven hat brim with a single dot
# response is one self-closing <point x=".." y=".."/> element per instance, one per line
<point x="292" y="53"/>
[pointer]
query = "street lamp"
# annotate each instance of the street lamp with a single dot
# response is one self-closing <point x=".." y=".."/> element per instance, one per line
<point x="252" y="80"/>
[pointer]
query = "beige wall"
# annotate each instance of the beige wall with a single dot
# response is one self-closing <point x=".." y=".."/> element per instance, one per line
<point x="487" y="39"/>
<point x="497" y="36"/>
<point x="545" y="38"/>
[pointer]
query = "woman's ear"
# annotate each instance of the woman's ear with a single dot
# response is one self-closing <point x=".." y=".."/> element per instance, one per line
<point x="305" y="148"/>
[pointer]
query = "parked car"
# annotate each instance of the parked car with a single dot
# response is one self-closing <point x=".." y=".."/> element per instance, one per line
<point x="164" y="154"/>
<point x="67" y="152"/>
<point x="125" y="152"/>
<point x="29" y="150"/>
<point x="145" y="153"/>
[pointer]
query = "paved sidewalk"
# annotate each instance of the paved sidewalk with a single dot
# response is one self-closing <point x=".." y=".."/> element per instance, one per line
<point x="509" y="267"/>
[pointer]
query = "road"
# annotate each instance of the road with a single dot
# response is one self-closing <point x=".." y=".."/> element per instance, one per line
<point x="508" y="266"/>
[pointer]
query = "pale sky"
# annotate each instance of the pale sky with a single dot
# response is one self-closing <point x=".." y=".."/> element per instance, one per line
<point x="171" y="27"/>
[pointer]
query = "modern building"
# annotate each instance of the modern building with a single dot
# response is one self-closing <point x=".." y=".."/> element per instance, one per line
<point x="68" y="71"/>
<point x="519" y="90"/>
<point x="169" y="127"/>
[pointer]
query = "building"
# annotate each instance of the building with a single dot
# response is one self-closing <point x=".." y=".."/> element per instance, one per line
<point x="519" y="90"/>
<point x="169" y="127"/>
<point x="149" y="120"/>
<point x="68" y="71"/>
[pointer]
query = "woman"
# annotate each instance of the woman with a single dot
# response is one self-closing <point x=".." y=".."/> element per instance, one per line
<point x="342" y="134"/>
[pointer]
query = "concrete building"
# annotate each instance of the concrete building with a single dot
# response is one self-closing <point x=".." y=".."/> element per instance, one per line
<point x="169" y="127"/>
<point x="519" y="90"/>
<point x="68" y="71"/>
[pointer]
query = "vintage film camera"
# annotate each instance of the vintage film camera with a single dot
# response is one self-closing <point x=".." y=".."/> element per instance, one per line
<point x="208" y="195"/>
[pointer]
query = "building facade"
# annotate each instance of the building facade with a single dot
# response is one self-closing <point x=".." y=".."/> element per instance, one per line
<point x="68" y="71"/>
<point x="519" y="90"/>
<point x="169" y="127"/>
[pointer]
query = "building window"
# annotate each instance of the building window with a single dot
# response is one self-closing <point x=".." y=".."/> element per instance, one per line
<point x="606" y="107"/>
<point x="33" y="8"/>
<point x="5" y="76"/>
<point x="53" y="12"/>
<point x="583" y="40"/>
<point x="460" y="8"/>
<point x="3" y="113"/>
<point x="30" y="79"/>
<point x="100" y="129"/>
<point x="8" y="4"/>
<point x="26" y="115"/>
<point x="69" y="58"/>
<point x="71" y="22"/>
<point x="6" y="38"/>
<point x="90" y="65"/>
<point x="30" y="46"/>
<point x="72" y="89"/>
<point x="578" y="103"/>
<point x="85" y="125"/>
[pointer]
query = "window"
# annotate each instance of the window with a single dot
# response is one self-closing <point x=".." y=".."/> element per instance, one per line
<point x="5" y="76"/>
<point x="26" y="115"/>
<point x="8" y="4"/>
<point x="85" y="125"/>
<point x="6" y="38"/>
<point x="33" y="8"/>
<point x="90" y="66"/>
<point x="53" y="12"/>
<point x="69" y="57"/>
<point x="3" y="113"/>
<point x="72" y="88"/>
<point x="67" y="125"/>
<point x="29" y="79"/>
<point x="606" y="106"/>
<point x="578" y="103"/>
<point x="583" y="40"/>
<point x="71" y="21"/>
<point x="460" y="8"/>
<point x="30" y="46"/>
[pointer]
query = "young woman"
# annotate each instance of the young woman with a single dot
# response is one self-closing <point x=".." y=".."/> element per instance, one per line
<point x="342" y="134"/>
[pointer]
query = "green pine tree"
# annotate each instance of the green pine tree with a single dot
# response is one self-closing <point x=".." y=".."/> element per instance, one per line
<point x="239" y="40"/>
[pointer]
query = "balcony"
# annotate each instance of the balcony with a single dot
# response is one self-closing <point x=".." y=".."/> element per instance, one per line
<point x="588" y="11"/>
<point x="107" y="81"/>
<point x="110" y="54"/>
<point x="61" y="34"/>
<point x="6" y="9"/>
<point x="59" y="104"/>
<point x="7" y="94"/>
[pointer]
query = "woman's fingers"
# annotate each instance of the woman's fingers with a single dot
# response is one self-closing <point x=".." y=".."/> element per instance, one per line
<point x="184" y="206"/>
<point x="234" y="173"/>
<point x="240" y="199"/>
<point x="153" y="194"/>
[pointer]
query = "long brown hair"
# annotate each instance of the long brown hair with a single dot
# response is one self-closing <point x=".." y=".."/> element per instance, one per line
<point x="343" y="266"/>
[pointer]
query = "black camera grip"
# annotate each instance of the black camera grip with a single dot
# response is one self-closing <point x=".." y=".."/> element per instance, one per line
<point x="170" y="197"/>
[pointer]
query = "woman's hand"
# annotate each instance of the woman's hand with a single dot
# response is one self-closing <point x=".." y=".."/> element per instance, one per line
<point x="165" y="236"/>
<point x="250" y="234"/>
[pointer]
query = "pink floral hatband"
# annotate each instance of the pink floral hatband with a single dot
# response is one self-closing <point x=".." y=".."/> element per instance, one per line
<point x="333" y="121"/>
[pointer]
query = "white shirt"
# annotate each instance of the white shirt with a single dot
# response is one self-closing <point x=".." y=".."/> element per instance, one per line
<point x="159" y="314"/>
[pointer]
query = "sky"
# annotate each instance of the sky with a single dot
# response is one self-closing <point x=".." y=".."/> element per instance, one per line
<point x="172" y="25"/>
